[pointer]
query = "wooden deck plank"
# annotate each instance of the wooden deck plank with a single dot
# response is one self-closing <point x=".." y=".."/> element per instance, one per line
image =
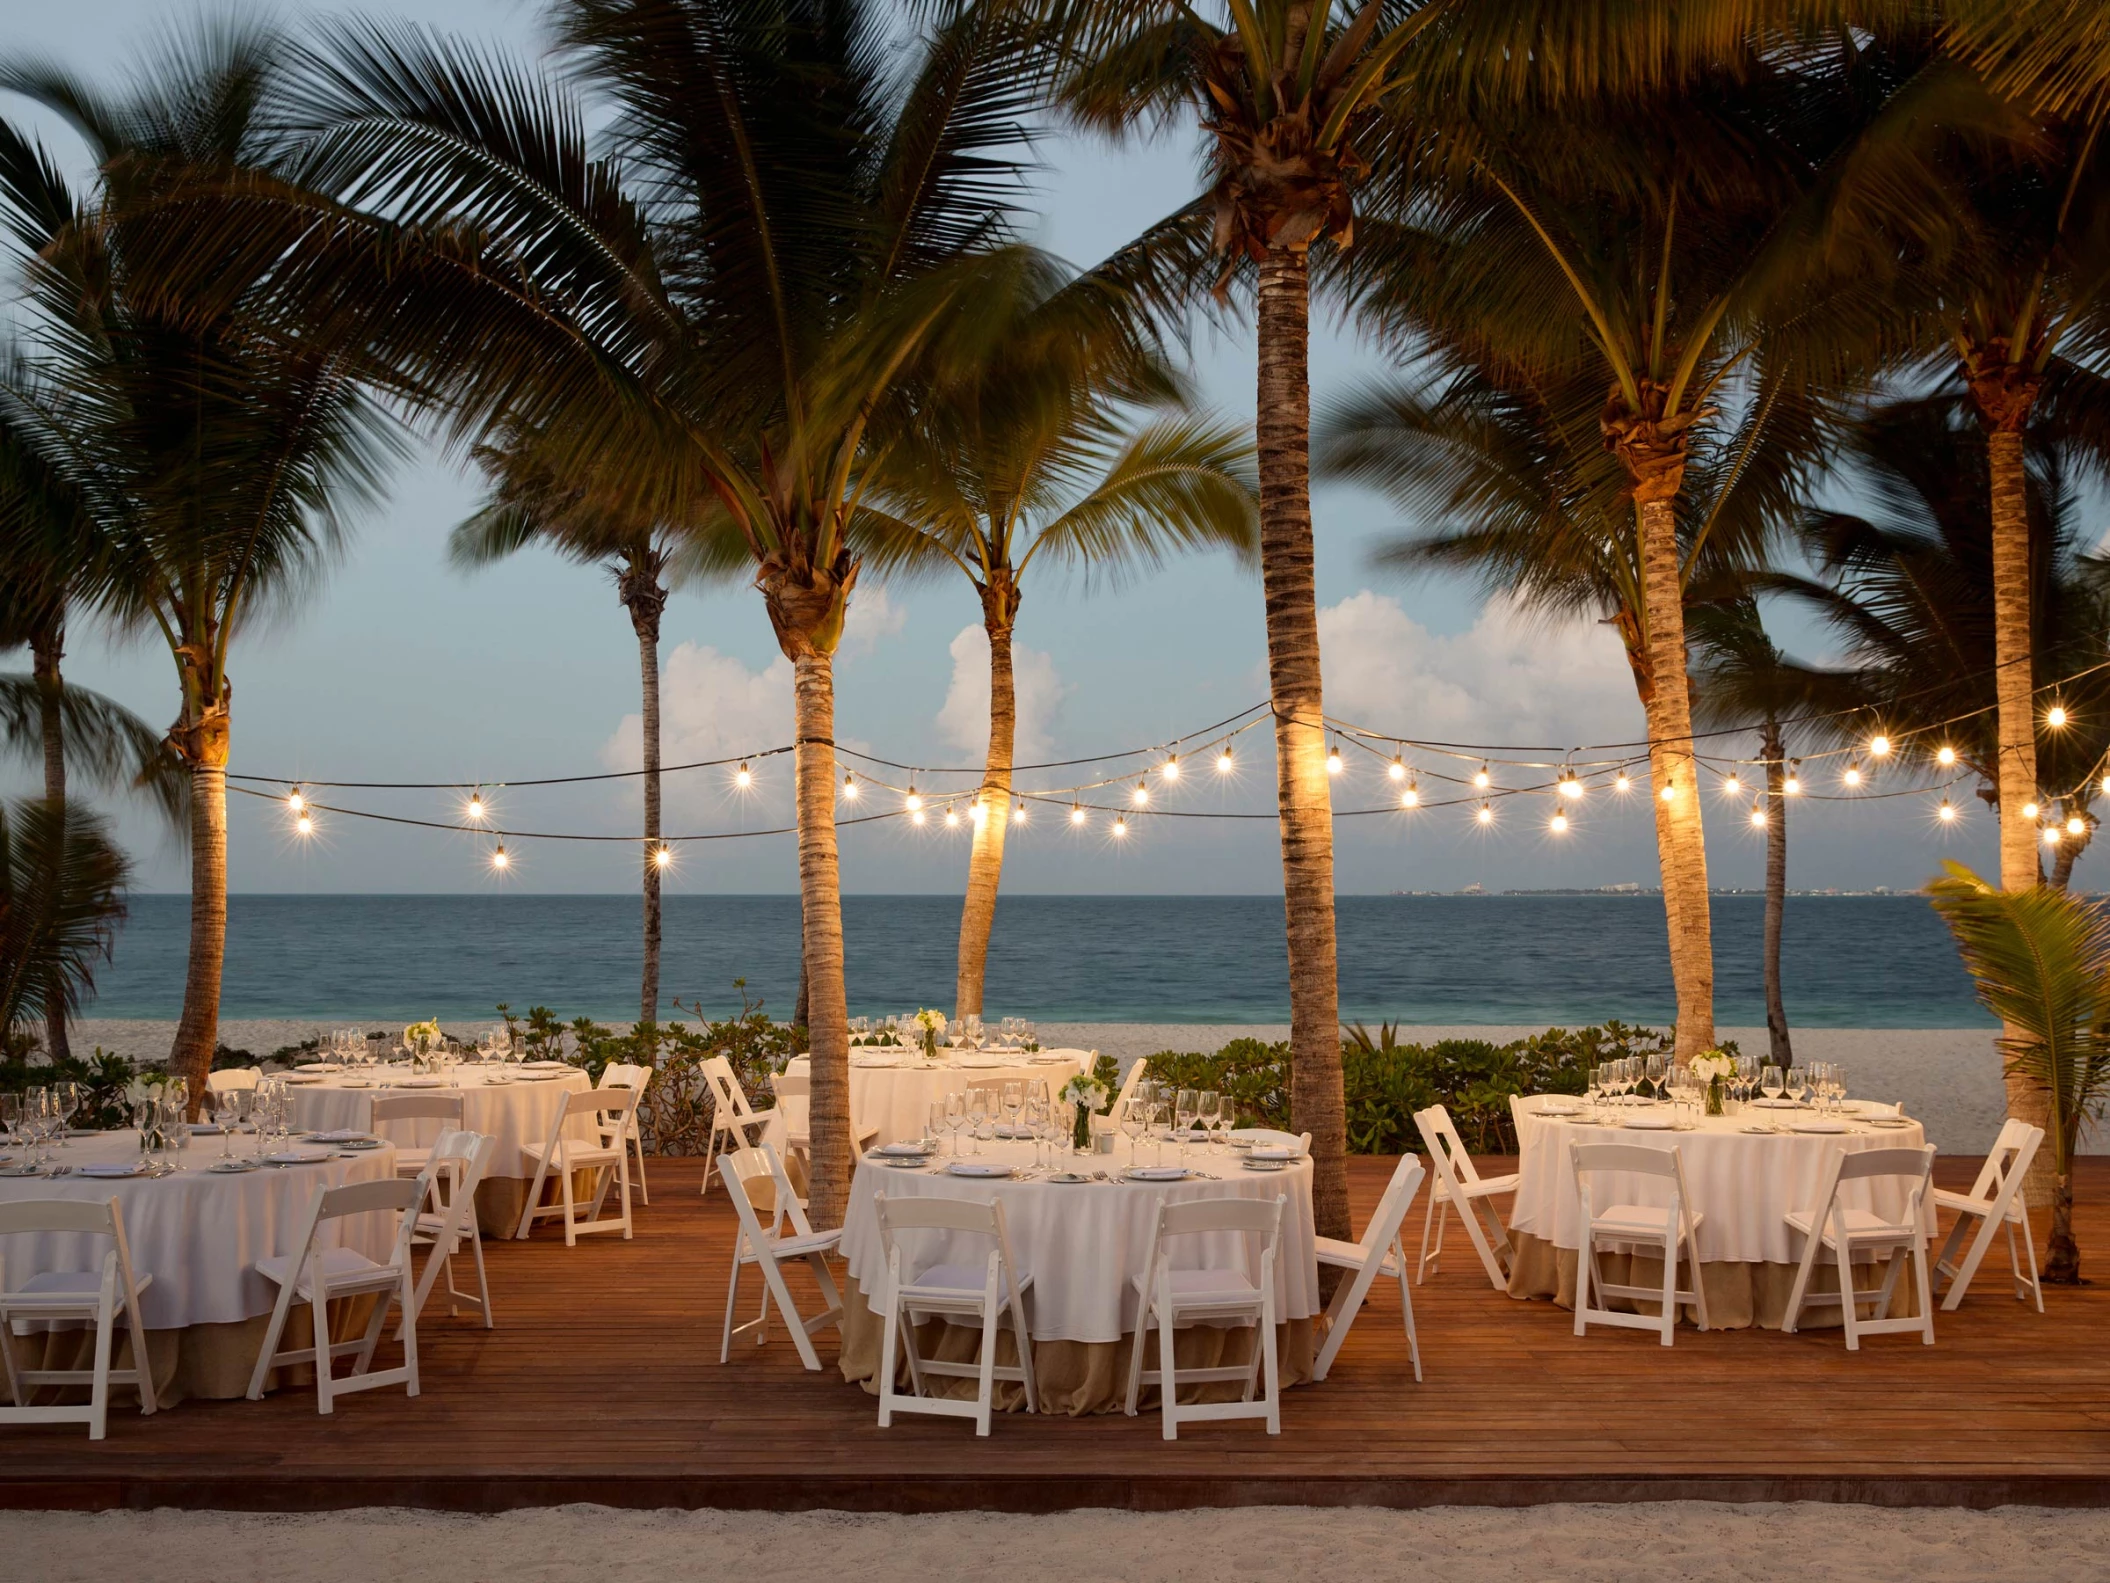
<point x="601" y="1383"/>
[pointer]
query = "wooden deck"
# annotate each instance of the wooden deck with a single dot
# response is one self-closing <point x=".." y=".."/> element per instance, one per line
<point x="602" y="1384"/>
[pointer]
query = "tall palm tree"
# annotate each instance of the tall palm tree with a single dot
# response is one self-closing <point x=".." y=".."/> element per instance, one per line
<point x="1038" y="457"/>
<point x="62" y="896"/>
<point x="1650" y="273"/>
<point x="215" y="450"/>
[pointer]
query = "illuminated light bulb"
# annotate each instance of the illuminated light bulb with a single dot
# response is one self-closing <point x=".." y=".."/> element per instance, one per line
<point x="1171" y="768"/>
<point x="1482" y="779"/>
<point x="1669" y="793"/>
<point x="662" y="856"/>
<point x="1225" y="763"/>
<point x="2051" y="835"/>
<point x="850" y="787"/>
<point x="913" y="802"/>
<point x="1398" y="770"/>
<point x="1141" y="795"/>
<point x="1879" y="747"/>
<point x="1852" y="777"/>
<point x="1486" y="815"/>
<point x="2075" y="825"/>
<point x="2055" y="716"/>
<point x="1411" y="797"/>
<point x="952" y="818"/>
<point x="499" y="859"/>
<point x="1077" y="815"/>
<point x="1731" y="786"/>
<point x="1792" y="786"/>
<point x="1120" y="828"/>
<point x="979" y="813"/>
<point x="1945" y="755"/>
<point x="1020" y="816"/>
<point x="917" y="817"/>
<point x="2030" y="810"/>
<point x="1333" y="762"/>
<point x="475" y="810"/>
<point x="1758" y="815"/>
<point x="743" y="777"/>
<point x="296" y="802"/>
<point x="2106" y="785"/>
<point x="305" y="824"/>
<point x="1946" y="813"/>
<point x="1625" y="782"/>
<point x="1559" y="822"/>
<point x="1570" y="787"/>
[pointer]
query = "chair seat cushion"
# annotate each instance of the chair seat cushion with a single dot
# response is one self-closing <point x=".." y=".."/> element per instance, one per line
<point x="956" y="1278"/>
<point x="1640" y="1220"/>
<point x="1490" y="1184"/>
<point x="1965" y="1204"/>
<point x="572" y="1154"/>
<point x="340" y="1266"/>
<point x="1859" y="1222"/>
<point x="810" y="1242"/>
<point x="1194" y="1287"/>
<point x="68" y="1289"/>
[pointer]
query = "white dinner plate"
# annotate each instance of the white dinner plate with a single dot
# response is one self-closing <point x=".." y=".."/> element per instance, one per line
<point x="303" y="1077"/>
<point x="1156" y="1173"/>
<point x="1816" y="1124"/>
<point x="338" y="1135"/>
<point x="109" y="1168"/>
<point x="19" y="1170"/>
<point x="977" y="1169"/>
<point x="1560" y="1108"/>
<point x="914" y="1150"/>
<point x="981" y="1064"/>
<point x="321" y="1066"/>
<point x="367" y="1082"/>
<point x="299" y="1157"/>
<point x="230" y="1167"/>
<point x="206" y="1129"/>
<point x="1278" y="1154"/>
<point x="1265" y="1165"/>
<point x="421" y="1082"/>
<point x="526" y="1077"/>
<point x="1068" y="1178"/>
<point x="1648" y="1123"/>
<point x="1890" y="1122"/>
<point x="1762" y="1131"/>
<point x="544" y="1066"/>
<point x="1778" y="1104"/>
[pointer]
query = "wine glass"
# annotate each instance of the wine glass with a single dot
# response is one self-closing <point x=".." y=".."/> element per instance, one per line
<point x="1797" y="1078"/>
<point x="1135" y="1121"/>
<point x="1772" y="1080"/>
<point x="1186" y="1107"/>
<point x="1207" y="1106"/>
<point x="1655" y="1076"/>
<point x="1012" y="1100"/>
<point x="955" y="1118"/>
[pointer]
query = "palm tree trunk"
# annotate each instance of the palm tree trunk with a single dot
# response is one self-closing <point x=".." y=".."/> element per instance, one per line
<point x="2070" y="850"/>
<point x="1776" y="892"/>
<point x="46" y="649"/>
<point x="1681" y="836"/>
<point x="645" y="599"/>
<point x="2062" y="1260"/>
<point x="198" y="1033"/>
<point x="821" y="923"/>
<point x="1283" y="433"/>
<point x="2017" y="721"/>
<point x="985" y="859"/>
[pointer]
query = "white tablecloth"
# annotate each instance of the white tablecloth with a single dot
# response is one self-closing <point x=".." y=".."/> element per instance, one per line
<point x="1084" y="1245"/>
<point x="198" y="1234"/>
<point x="897" y="1099"/>
<point x="514" y="1113"/>
<point x="1744" y="1183"/>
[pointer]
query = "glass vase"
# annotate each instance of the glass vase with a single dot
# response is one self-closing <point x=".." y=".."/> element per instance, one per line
<point x="1717" y="1097"/>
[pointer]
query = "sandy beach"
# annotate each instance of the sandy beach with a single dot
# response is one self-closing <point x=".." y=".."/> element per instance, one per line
<point x="1813" y="1543"/>
<point x="1949" y="1078"/>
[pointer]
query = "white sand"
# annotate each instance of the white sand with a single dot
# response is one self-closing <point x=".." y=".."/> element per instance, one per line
<point x="1808" y="1543"/>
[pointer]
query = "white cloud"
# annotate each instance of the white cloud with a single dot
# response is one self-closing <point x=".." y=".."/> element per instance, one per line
<point x="1510" y="677"/>
<point x="872" y="618"/>
<point x="963" y="719"/>
<point x="711" y="706"/>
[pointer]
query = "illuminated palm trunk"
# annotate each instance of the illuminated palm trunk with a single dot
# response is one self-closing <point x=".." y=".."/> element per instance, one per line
<point x="985" y="861"/>
<point x="821" y="923"/>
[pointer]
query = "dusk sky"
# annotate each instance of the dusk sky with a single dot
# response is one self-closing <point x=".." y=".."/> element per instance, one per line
<point x="400" y="668"/>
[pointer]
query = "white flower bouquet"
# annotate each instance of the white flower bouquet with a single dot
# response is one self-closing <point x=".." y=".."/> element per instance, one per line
<point x="1089" y="1096"/>
<point x="1715" y="1068"/>
<point x="420" y="1037"/>
<point x="933" y="1025"/>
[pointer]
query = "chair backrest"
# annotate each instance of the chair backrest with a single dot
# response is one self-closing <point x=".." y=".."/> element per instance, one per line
<point x="2008" y="1161"/>
<point x="725" y="1088"/>
<point x="792" y="1085"/>
<point x="417" y="1107"/>
<point x="87" y="1217"/>
<point x="402" y="1196"/>
<point x="1259" y="1218"/>
<point x="738" y="1167"/>
<point x="1119" y="1107"/>
<point x="624" y="1074"/>
<point x="229" y="1078"/>
<point x="1633" y="1159"/>
<point x="1913" y="1165"/>
<point x="470" y="1151"/>
<point x="955" y="1216"/>
<point x="612" y="1104"/>
<point x="1440" y="1133"/>
<point x="1393" y="1204"/>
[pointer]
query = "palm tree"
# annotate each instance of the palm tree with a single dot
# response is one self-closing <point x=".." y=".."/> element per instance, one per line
<point x="1031" y="458"/>
<point x="216" y="451"/>
<point x="62" y="896"/>
<point x="1642" y="271"/>
<point x="2042" y="961"/>
<point x="527" y="506"/>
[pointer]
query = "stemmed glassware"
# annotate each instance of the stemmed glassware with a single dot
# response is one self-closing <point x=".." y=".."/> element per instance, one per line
<point x="11" y="1119"/>
<point x="1186" y="1107"/>
<point x="1655" y="1077"/>
<point x="955" y="1118"/>
<point x="1798" y="1084"/>
<point x="1013" y="1100"/>
<point x="1135" y="1121"/>
<point x="1208" y="1107"/>
<point x="1772" y="1079"/>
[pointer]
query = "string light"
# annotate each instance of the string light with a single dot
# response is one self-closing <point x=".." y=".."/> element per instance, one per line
<point x="1669" y="792"/>
<point x="1792" y="786"/>
<point x="917" y="816"/>
<point x="475" y="809"/>
<point x="743" y="777"/>
<point x="2075" y="825"/>
<point x="1486" y="815"/>
<point x="1077" y="813"/>
<point x="1758" y="815"/>
<point x="1945" y="755"/>
<point x="2051" y="835"/>
<point x="1732" y="787"/>
<point x="913" y="802"/>
<point x="1946" y="813"/>
<point x="952" y="818"/>
<point x="979" y="813"/>
<point x="850" y="787"/>
<point x="2106" y="785"/>
<point x="1141" y="795"/>
<point x="662" y="856"/>
<point x="1879" y="747"/>
<point x="1570" y="787"/>
<point x="1398" y="769"/>
<point x="1333" y="761"/>
<point x="2030" y="810"/>
<point x="1559" y="822"/>
<point x="1482" y="779"/>
<point x="2055" y="716"/>
<point x="1411" y="797"/>
<point x="296" y="802"/>
<point x="1852" y="777"/>
<point x="1225" y="763"/>
<point x="1171" y="768"/>
<point x="305" y="824"/>
<point x="1625" y="782"/>
<point x="1020" y="816"/>
<point x="499" y="858"/>
<point x="1120" y="828"/>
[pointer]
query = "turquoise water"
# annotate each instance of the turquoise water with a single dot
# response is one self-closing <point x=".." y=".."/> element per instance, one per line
<point x="1848" y="961"/>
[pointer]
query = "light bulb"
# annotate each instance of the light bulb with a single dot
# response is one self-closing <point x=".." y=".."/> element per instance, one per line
<point x="1559" y="822"/>
<point x="1482" y="779"/>
<point x="662" y="856"/>
<point x="2055" y="716"/>
<point x="2051" y="835"/>
<point x="1141" y="795"/>
<point x="1411" y="797"/>
<point x="1171" y="768"/>
<point x="1333" y="762"/>
<point x="1570" y="787"/>
<point x="917" y="816"/>
<point x="979" y="812"/>
<point x="2030" y="810"/>
<point x="1077" y="815"/>
<point x="305" y="824"/>
<point x="743" y="777"/>
<point x="1486" y="815"/>
<point x="1852" y="777"/>
<point x="1398" y="771"/>
<point x="913" y="802"/>
<point x="1879" y="747"/>
<point x="1625" y="782"/>
<point x="1945" y="755"/>
<point x="296" y="802"/>
<point x="1669" y="792"/>
<point x="1225" y="763"/>
<point x="1758" y="815"/>
<point x="475" y="810"/>
<point x="1946" y="812"/>
<point x="2075" y="825"/>
<point x="1120" y="828"/>
<point x="850" y="787"/>
<point x="1731" y="786"/>
<point x="1020" y="816"/>
<point x="499" y="859"/>
<point x="1792" y="786"/>
<point x="952" y="818"/>
<point x="2106" y="785"/>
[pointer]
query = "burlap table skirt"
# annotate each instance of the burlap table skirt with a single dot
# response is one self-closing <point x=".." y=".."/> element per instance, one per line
<point x="210" y="1362"/>
<point x="500" y="1199"/>
<point x="1075" y="1377"/>
<point x="1739" y="1295"/>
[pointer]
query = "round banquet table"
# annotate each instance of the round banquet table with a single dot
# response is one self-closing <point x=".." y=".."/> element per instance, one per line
<point x="514" y="1113"/>
<point x="1743" y="1183"/>
<point x="1084" y="1245"/>
<point x="199" y="1234"/>
<point x="892" y="1090"/>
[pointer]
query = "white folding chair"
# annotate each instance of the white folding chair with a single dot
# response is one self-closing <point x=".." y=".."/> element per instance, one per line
<point x="607" y="1112"/>
<point x="1460" y="1186"/>
<point x="386" y="1109"/>
<point x="1995" y="1203"/>
<point x="319" y="1276"/>
<point x="772" y="1249"/>
<point x="986" y="1293"/>
<point x="1846" y="1232"/>
<point x="459" y="1160"/>
<point x="1667" y="1229"/>
<point x="794" y="1093"/>
<point x="229" y="1078"/>
<point x="1211" y="1295"/>
<point x="1380" y="1252"/>
<point x="1119" y="1107"/>
<point x="628" y="1074"/>
<point x="99" y="1297"/>
<point x="735" y="1123"/>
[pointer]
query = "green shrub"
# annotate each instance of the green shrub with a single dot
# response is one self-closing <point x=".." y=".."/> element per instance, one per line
<point x="102" y="1077"/>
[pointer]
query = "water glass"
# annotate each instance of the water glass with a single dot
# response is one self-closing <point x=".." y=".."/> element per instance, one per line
<point x="934" y="1128"/>
<point x="1797" y="1079"/>
<point x="955" y="1118"/>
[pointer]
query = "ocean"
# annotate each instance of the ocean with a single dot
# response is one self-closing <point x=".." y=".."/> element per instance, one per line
<point x="1848" y="961"/>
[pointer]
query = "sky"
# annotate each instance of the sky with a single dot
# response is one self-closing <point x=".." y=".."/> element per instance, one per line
<point x="400" y="668"/>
